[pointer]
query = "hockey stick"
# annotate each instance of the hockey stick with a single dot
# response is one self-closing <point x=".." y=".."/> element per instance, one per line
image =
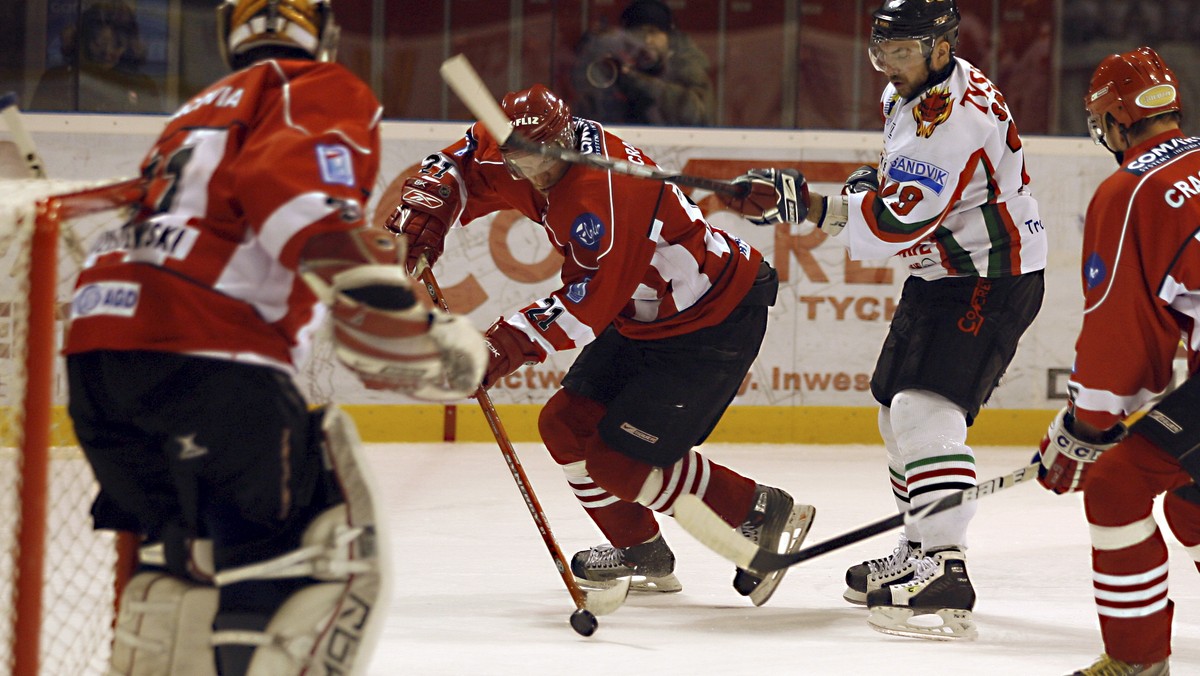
<point x="698" y="519"/>
<point x="466" y="83"/>
<point x="21" y="137"/>
<point x="596" y="601"/>
<point x="11" y="113"/>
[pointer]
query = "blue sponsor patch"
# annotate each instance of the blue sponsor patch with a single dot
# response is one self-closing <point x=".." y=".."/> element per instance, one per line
<point x="336" y="164"/>
<point x="1094" y="271"/>
<point x="106" y="298"/>
<point x="588" y="230"/>
<point x="907" y="170"/>
<point x="578" y="290"/>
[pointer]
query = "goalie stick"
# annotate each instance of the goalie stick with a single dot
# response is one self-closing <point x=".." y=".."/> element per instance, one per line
<point x="21" y="137"/>
<point x="698" y="519"/>
<point x="11" y="113"/>
<point x="598" y="601"/>
<point x="467" y="85"/>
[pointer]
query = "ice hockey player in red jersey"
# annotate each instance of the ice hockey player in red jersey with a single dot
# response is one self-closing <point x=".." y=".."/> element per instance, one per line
<point x="1141" y="278"/>
<point x="668" y="310"/>
<point x="951" y="199"/>
<point x="259" y="535"/>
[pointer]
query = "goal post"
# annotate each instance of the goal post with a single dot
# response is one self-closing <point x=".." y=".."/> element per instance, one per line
<point x="63" y="578"/>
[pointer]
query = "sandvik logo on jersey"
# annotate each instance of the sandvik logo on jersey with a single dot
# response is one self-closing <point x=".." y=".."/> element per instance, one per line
<point x="577" y="291"/>
<point x="1094" y="271"/>
<point x="106" y="298"/>
<point x="335" y="164"/>
<point x="588" y="230"/>
<point x="905" y="169"/>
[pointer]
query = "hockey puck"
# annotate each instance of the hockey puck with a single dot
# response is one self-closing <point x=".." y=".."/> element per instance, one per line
<point x="583" y="622"/>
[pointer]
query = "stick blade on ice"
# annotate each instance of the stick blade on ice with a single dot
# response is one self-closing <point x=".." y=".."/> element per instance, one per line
<point x="469" y="87"/>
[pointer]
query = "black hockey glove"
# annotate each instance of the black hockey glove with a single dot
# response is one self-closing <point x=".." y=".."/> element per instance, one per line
<point x="771" y="196"/>
<point x="862" y="179"/>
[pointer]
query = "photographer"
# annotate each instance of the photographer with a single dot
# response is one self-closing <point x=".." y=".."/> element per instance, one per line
<point x="646" y="73"/>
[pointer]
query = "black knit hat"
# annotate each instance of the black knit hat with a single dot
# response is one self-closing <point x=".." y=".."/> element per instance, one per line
<point x="643" y="12"/>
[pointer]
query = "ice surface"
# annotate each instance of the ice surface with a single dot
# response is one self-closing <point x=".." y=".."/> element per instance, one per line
<point x="475" y="591"/>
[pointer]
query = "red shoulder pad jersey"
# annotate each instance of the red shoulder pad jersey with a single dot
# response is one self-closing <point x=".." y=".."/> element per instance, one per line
<point x="1141" y="280"/>
<point x="241" y="177"/>
<point x="637" y="253"/>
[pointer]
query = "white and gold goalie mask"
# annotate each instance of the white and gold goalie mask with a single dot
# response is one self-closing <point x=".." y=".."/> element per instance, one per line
<point x="306" y="25"/>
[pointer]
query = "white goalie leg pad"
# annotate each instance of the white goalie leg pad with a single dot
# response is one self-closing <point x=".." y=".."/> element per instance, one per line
<point x="329" y="627"/>
<point x="164" y="626"/>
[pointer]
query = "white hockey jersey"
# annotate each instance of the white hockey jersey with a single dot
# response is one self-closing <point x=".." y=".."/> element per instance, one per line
<point x="953" y="198"/>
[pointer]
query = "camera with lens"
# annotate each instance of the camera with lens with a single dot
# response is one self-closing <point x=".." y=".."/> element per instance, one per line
<point x="610" y="53"/>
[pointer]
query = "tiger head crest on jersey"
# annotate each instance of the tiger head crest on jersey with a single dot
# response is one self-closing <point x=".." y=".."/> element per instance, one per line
<point x="300" y="27"/>
<point x="1131" y="87"/>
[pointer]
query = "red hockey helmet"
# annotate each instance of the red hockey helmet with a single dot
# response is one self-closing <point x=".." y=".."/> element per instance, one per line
<point x="539" y="115"/>
<point x="1131" y="87"/>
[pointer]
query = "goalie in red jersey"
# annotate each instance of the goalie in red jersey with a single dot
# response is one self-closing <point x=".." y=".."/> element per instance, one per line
<point x="669" y="311"/>
<point x="1141" y="279"/>
<point x="259" y="553"/>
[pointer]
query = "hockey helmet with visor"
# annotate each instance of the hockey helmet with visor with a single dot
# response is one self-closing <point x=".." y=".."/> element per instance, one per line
<point x="904" y="32"/>
<point x="539" y="116"/>
<point x="1131" y="87"/>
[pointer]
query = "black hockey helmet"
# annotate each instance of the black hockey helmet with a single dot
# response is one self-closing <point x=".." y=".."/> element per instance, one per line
<point x="925" y="21"/>
<point x="915" y="19"/>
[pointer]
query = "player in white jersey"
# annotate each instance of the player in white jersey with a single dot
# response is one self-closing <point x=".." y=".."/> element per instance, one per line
<point x="950" y="198"/>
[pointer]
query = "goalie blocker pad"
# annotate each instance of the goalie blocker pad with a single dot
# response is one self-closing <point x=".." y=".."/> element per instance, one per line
<point x="330" y="626"/>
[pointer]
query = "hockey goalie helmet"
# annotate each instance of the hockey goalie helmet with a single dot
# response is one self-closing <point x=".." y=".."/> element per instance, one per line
<point x="305" y="26"/>
<point x="1131" y="87"/>
<point x="925" y="21"/>
<point x="540" y="116"/>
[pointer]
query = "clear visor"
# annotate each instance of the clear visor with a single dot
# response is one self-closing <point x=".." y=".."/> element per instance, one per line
<point x="1096" y="129"/>
<point x="525" y="164"/>
<point x="893" y="55"/>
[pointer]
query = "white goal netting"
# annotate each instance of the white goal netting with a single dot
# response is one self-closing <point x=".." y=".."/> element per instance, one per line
<point x="60" y="575"/>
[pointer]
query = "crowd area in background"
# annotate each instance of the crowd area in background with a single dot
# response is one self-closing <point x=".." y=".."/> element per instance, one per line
<point x="643" y="62"/>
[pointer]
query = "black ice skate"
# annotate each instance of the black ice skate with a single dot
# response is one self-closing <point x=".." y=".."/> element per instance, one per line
<point x="775" y="522"/>
<point x="1107" y="666"/>
<point x="650" y="564"/>
<point x="895" y="568"/>
<point x="939" y="586"/>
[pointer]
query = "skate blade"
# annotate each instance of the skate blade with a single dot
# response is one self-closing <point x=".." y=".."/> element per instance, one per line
<point x="957" y="625"/>
<point x="666" y="584"/>
<point x="854" y="596"/>
<point x="797" y="527"/>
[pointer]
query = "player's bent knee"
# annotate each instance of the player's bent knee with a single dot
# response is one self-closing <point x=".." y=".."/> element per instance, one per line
<point x="564" y="424"/>
<point x="164" y="626"/>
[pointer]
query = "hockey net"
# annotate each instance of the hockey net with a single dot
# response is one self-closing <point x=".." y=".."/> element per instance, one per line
<point x="62" y="577"/>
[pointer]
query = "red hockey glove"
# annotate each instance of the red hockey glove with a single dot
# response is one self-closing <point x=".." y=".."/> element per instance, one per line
<point x="422" y="218"/>
<point x="508" y="350"/>
<point x="772" y="196"/>
<point x="862" y="179"/>
<point x="1065" y="458"/>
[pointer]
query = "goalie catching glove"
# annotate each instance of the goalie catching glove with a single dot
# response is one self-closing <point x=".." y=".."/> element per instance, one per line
<point x="770" y="196"/>
<point x="1065" y="458"/>
<point x="402" y="345"/>
<point x="380" y="330"/>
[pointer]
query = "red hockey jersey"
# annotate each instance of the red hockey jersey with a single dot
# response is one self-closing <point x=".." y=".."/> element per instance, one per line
<point x="638" y="254"/>
<point x="241" y="177"/>
<point x="1141" y="280"/>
